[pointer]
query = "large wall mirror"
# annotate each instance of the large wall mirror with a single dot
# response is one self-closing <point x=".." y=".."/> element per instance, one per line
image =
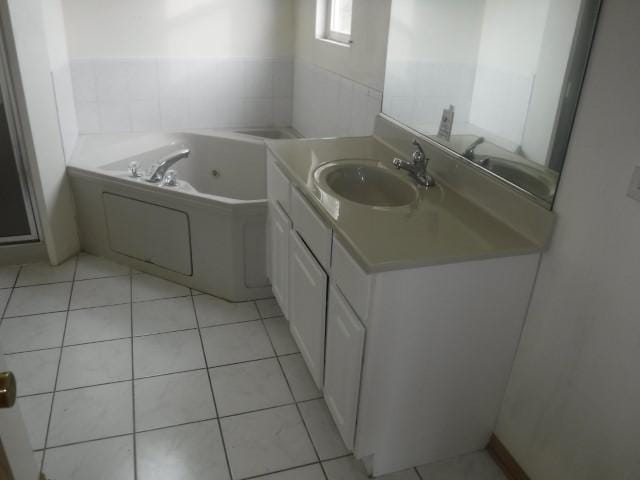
<point x="511" y="72"/>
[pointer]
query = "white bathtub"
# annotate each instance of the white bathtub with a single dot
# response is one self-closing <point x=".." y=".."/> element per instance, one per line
<point x="208" y="232"/>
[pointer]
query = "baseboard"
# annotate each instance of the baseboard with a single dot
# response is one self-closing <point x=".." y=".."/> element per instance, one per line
<point x="504" y="459"/>
<point x="22" y="253"/>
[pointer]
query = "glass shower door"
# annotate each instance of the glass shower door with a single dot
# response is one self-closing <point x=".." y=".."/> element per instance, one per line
<point x="17" y="220"/>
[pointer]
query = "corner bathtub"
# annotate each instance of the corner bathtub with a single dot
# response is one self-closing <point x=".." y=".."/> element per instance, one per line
<point x="207" y="233"/>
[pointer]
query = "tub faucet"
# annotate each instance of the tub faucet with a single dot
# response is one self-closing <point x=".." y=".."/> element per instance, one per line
<point x="417" y="167"/>
<point x="470" y="152"/>
<point x="166" y="163"/>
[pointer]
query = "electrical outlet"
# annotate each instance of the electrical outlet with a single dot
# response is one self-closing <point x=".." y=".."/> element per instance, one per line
<point x="634" y="187"/>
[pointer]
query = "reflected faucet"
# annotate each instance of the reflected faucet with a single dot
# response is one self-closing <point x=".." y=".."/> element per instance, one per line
<point x="470" y="152"/>
<point x="166" y="163"/>
<point x="417" y="167"/>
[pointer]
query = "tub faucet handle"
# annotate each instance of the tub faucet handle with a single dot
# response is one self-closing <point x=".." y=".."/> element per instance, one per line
<point x="134" y="170"/>
<point x="170" y="179"/>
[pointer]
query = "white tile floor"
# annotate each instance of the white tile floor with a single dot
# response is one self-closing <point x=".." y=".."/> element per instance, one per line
<point x="126" y="376"/>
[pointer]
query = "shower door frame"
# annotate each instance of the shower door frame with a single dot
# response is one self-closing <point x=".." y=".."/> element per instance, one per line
<point x="8" y="93"/>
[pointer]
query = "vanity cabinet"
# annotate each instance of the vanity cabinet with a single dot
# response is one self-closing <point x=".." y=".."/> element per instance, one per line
<point x="343" y="367"/>
<point x="307" y="305"/>
<point x="413" y="362"/>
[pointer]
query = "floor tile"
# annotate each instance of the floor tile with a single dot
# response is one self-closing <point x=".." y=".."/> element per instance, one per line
<point x="147" y="287"/>
<point x="8" y="276"/>
<point x="4" y="298"/>
<point x="39" y="299"/>
<point x="173" y="399"/>
<point x="90" y="266"/>
<point x="310" y="472"/>
<point x="235" y="343"/>
<point x="215" y="311"/>
<point x="187" y="452"/>
<point x="349" y="468"/>
<point x="249" y="386"/>
<point x="35" y="371"/>
<point x="196" y="292"/>
<point x="35" y="412"/>
<point x="269" y="308"/>
<point x="98" y="324"/>
<point x="95" y="363"/>
<point x="39" y="273"/>
<point x="35" y="332"/>
<point x="299" y="378"/>
<point x="278" y="330"/>
<point x="322" y="429"/>
<point x="475" y="466"/>
<point x="39" y="456"/>
<point x="166" y="315"/>
<point x="100" y="292"/>
<point x="167" y="353"/>
<point x="267" y="441"/>
<point x="91" y="413"/>
<point x="109" y="459"/>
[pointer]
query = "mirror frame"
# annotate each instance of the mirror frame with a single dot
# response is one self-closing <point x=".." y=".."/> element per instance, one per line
<point x="575" y="74"/>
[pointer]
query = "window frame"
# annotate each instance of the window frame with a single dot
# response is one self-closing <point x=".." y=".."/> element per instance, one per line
<point x="333" y="35"/>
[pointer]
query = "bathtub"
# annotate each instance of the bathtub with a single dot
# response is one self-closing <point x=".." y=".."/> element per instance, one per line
<point x="207" y="232"/>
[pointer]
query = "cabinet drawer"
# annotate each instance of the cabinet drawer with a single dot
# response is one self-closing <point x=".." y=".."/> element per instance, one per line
<point x="311" y="228"/>
<point x="353" y="282"/>
<point x="278" y="186"/>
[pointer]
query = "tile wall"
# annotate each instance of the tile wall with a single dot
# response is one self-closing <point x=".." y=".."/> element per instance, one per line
<point x="151" y="94"/>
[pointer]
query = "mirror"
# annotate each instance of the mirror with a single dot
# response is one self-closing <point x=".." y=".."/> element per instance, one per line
<point x="494" y="81"/>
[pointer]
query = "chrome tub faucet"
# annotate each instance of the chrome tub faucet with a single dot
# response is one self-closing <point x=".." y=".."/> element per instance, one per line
<point x="166" y="163"/>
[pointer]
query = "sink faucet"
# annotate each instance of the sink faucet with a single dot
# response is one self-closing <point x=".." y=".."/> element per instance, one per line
<point x="166" y="163"/>
<point x="417" y="167"/>
<point x="470" y="152"/>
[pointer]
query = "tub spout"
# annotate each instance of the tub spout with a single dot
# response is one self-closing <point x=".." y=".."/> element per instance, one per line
<point x="166" y="163"/>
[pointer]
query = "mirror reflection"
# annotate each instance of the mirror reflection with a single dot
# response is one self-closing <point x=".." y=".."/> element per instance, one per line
<point x="487" y="79"/>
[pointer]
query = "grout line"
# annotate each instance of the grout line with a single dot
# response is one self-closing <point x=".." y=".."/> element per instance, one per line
<point x="133" y="376"/>
<point x="55" y="383"/>
<point x="304" y="424"/>
<point x="418" y="473"/>
<point x="275" y="472"/>
<point x="81" y="442"/>
<point x="12" y="289"/>
<point x="213" y="395"/>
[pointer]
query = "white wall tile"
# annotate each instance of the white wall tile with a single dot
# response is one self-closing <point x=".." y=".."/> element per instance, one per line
<point x="229" y="78"/>
<point x="111" y="80"/>
<point x="145" y="115"/>
<point x="257" y="112"/>
<point x="282" y="111"/>
<point x="258" y="78"/>
<point x="202" y="112"/>
<point x="173" y="78"/>
<point x="174" y="113"/>
<point x="88" y="117"/>
<point x="114" y="116"/>
<point x="84" y="81"/>
<point x="282" y="78"/>
<point x="142" y="77"/>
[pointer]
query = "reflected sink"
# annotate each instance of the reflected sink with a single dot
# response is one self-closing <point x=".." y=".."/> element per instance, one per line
<point x="524" y="176"/>
<point x="365" y="182"/>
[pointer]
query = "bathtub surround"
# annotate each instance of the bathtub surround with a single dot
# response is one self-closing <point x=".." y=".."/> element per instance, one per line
<point x="120" y="95"/>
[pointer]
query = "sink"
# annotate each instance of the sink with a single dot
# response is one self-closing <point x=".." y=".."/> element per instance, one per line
<point x="366" y="182"/>
<point x="524" y="176"/>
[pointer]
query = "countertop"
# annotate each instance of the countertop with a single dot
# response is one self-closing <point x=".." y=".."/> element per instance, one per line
<point x="441" y="227"/>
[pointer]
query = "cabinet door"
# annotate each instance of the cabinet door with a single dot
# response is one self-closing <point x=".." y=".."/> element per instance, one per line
<point x="279" y="228"/>
<point x="345" y="346"/>
<point x="307" y="306"/>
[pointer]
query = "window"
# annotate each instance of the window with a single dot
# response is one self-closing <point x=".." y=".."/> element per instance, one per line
<point x="338" y="20"/>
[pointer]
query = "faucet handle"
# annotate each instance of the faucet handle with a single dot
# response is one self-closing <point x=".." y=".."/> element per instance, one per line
<point x="419" y="155"/>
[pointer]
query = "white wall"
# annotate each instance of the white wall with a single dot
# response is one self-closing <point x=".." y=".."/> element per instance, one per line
<point x="40" y="123"/>
<point x="61" y="73"/>
<point x="149" y="65"/>
<point x="572" y="406"/>
<point x="179" y="28"/>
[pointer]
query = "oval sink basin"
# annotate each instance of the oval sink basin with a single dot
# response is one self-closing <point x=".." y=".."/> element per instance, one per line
<point x="525" y="177"/>
<point x="364" y="182"/>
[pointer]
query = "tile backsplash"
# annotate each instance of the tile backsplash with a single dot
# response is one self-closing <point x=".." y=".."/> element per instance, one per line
<point x="152" y="94"/>
<point x="328" y="105"/>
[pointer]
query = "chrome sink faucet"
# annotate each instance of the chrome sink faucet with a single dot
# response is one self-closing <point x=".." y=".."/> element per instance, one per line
<point x="470" y="152"/>
<point x="417" y="166"/>
<point x="165" y="164"/>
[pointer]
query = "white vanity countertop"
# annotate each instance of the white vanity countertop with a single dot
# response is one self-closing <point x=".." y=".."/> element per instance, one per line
<point x="441" y="227"/>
